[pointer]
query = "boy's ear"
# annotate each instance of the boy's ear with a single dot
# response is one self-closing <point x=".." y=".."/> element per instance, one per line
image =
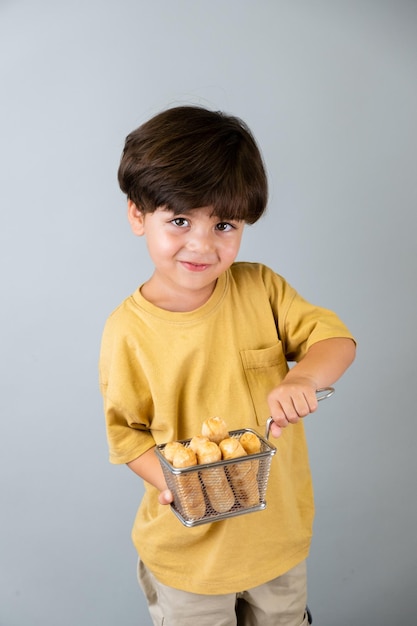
<point x="136" y="218"/>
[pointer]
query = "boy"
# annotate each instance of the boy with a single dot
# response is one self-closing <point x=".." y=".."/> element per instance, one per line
<point x="206" y="336"/>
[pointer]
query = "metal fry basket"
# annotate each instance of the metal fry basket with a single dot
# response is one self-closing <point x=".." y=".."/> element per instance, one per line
<point x="217" y="491"/>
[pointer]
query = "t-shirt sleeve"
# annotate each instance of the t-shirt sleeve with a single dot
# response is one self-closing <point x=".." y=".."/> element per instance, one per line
<point x="127" y="439"/>
<point x="127" y="399"/>
<point x="301" y="324"/>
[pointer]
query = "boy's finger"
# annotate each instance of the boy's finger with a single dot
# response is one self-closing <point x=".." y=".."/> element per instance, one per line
<point x="165" y="497"/>
<point x="275" y="430"/>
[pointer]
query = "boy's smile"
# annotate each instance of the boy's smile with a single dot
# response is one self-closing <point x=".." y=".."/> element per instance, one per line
<point x="189" y="252"/>
<point x="194" y="267"/>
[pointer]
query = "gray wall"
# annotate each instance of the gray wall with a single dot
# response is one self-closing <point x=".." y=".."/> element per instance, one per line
<point x="329" y="89"/>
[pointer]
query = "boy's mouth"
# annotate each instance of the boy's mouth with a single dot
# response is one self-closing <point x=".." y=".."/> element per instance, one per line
<point x="194" y="267"/>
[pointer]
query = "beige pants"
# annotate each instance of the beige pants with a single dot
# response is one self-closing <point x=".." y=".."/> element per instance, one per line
<point x="280" y="602"/>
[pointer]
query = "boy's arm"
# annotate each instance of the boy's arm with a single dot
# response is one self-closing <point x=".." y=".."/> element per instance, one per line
<point x="147" y="466"/>
<point x="295" y="397"/>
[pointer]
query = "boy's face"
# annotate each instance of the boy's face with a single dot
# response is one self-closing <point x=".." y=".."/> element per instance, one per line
<point x="189" y="252"/>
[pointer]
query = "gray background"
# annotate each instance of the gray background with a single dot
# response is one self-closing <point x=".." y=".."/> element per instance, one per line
<point x="329" y="89"/>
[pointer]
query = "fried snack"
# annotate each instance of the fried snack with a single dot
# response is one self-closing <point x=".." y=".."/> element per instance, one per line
<point x="218" y="489"/>
<point x="197" y="441"/>
<point x="189" y="490"/>
<point x="215" y="428"/>
<point x="170" y="449"/>
<point x="252" y="445"/>
<point x="242" y="475"/>
<point x="250" y="442"/>
<point x="231" y="448"/>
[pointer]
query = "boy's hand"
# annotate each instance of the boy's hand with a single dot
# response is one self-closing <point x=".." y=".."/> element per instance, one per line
<point x="165" y="497"/>
<point x="290" y="401"/>
<point x="323" y="364"/>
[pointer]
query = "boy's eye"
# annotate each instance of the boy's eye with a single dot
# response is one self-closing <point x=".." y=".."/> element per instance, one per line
<point x="180" y="221"/>
<point x="224" y="226"/>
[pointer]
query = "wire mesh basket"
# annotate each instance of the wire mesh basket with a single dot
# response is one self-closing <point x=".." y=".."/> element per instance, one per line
<point x="217" y="491"/>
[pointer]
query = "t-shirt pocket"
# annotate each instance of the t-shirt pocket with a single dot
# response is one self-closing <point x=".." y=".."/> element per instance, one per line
<point x="264" y="369"/>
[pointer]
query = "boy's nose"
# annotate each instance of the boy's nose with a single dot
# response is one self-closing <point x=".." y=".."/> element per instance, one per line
<point x="200" y="242"/>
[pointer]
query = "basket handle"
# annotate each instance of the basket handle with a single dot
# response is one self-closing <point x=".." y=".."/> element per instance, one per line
<point x="322" y="394"/>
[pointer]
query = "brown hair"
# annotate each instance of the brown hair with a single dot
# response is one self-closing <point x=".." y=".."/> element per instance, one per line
<point x="189" y="157"/>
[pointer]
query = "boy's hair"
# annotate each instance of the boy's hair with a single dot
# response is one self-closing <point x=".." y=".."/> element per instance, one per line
<point x="189" y="157"/>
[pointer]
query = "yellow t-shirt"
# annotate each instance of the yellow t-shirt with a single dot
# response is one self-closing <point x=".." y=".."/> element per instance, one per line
<point x="163" y="373"/>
